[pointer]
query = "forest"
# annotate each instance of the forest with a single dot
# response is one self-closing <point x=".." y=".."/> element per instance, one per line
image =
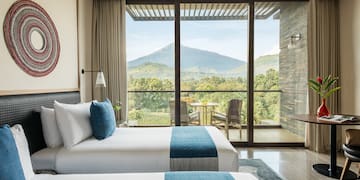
<point x="152" y="108"/>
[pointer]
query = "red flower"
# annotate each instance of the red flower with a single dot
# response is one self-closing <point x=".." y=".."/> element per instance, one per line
<point x="319" y="80"/>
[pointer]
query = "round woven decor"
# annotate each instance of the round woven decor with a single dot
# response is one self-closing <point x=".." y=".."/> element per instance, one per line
<point x="31" y="38"/>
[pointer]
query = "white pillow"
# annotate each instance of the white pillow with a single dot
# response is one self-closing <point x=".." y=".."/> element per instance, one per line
<point x="73" y="121"/>
<point x="23" y="149"/>
<point x="50" y="128"/>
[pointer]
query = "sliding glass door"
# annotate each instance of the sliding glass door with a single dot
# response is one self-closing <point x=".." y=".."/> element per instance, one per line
<point x="219" y="64"/>
<point x="214" y="63"/>
<point x="280" y="71"/>
<point x="150" y="57"/>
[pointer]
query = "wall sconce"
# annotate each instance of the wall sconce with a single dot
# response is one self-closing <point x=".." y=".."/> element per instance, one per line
<point x="100" y="79"/>
<point x="293" y="40"/>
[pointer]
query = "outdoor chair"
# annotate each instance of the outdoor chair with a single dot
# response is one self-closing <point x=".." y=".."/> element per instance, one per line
<point x="231" y="119"/>
<point x="186" y="118"/>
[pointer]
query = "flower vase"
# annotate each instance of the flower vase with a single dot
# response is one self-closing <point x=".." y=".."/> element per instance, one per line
<point x="323" y="110"/>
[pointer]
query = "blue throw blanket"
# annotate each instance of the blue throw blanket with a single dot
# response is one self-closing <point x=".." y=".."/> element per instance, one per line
<point x="192" y="148"/>
<point x="198" y="175"/>
<point x="192" y="141"/>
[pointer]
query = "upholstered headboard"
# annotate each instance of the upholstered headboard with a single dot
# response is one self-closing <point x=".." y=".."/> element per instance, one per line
<point x="25" y="110"/>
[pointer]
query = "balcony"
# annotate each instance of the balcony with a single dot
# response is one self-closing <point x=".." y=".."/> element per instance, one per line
<point x="213" y="64"/>
<point x="151" y="108"/>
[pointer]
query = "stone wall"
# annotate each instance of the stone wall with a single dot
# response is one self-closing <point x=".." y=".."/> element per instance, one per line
<point x="293" y="65"/>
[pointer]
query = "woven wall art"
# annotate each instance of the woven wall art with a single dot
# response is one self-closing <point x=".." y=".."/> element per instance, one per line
<point x="25" y="22"/>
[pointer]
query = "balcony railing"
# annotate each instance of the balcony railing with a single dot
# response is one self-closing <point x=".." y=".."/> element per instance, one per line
<point x="151" y="108"/>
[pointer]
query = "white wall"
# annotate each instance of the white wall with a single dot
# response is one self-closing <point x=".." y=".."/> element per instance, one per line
<point x="65" y="75"/>
<point x="350" y="56"/>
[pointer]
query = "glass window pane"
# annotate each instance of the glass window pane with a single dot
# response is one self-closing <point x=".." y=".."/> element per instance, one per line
<point x="280" y="71"/>
<point x="214" y="45"/>
<point x="150" y="57"/>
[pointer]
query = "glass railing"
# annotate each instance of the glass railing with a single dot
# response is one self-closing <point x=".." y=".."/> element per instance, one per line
<point x="152" y="108"/>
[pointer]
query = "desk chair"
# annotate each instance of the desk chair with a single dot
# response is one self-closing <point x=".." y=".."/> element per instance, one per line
<point x="351" y="149"/>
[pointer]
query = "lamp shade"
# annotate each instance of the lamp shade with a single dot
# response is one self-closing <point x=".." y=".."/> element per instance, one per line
<point x="100" y="80"/>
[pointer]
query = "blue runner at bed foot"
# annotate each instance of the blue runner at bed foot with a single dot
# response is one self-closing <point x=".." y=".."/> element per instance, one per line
<point x="191" y="142"/>
<point x="198" y="175"/>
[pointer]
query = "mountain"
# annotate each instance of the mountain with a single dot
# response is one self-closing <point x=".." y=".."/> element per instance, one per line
<point x="196" y="64"/>
<point x="261" y="64"/>
<point x="148" y="70"/>
<point x="151" y="70"/>
<point x="192" y="60"/>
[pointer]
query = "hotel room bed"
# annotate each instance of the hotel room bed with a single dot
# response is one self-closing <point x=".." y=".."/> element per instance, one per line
<point x="128" y="150"/>
<point x="135" y="150"/>
<point x="151" y="176"/>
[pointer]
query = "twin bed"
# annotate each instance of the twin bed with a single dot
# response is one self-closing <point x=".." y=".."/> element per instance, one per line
<point x="140" y="150"/>
<point x="151" y="176"/>
<point x="129" y="150"/>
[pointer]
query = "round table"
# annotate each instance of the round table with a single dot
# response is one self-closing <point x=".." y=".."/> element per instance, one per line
<point x="204" y="109"/>
<point x="329" y="170"/>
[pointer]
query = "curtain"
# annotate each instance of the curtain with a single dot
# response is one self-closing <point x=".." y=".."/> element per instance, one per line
<point x="108" y="52"/>
<point x="324" y="60"/>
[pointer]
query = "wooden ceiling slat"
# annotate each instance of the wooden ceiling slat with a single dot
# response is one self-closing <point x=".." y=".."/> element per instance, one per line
<point x="224" y="9"/>
<point x="209" y="10"/>
<point x="262" y="7"/>
<point x="273" y="11"/>
<point x="155" y="10"/>
<point x="195" y="9"/>
<point x="202" y="11"/>
<point x="163" y="12"/>
<point x="236" y="6"/>
<point x="219" y="10"/>
<point x="268" y="9"/>
<point x="139" y="11"/>
<point x="189" y="9"/>
<point x="213" y="9"/>
<point x="144" y="11"/>
<point x="229" y="10"/>
<point x="131" y="13"/>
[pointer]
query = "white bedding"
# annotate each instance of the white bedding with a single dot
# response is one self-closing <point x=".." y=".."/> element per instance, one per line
<point x="128" y="150"/>
<point x="45" y="159"/>
<point x="125" y="176"/>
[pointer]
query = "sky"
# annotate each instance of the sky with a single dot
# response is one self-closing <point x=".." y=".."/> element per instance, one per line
<point x="228" y="37"/>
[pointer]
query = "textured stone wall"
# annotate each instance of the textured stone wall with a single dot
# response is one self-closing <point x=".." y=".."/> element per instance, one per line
<point x="293" y="65"/>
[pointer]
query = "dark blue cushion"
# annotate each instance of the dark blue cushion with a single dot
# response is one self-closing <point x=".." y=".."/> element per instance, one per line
<point x="102" y="119"/>
<point x="10" y="165"/>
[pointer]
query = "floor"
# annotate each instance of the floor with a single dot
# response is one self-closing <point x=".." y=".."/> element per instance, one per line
<point x="292" y="163"/>
<point x="266" y="135"/>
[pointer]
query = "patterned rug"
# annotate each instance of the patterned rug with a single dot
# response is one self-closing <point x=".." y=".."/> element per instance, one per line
<point x="258" y="168"/>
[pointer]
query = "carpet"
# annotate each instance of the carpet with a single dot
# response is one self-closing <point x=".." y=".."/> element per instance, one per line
<point x="258" y="168"/>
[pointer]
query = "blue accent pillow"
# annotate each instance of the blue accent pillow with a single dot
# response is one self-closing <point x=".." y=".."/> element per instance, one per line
<point x="10" y="165"/>
<point x="102" y="119"/>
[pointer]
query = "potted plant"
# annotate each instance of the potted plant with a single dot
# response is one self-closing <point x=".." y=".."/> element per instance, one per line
<point x="324" y="88"/>
<point x="117" y="108"/>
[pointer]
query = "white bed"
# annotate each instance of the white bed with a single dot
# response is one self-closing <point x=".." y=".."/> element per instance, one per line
<point x="128" y="150"/>
<point x="127" y="176"/>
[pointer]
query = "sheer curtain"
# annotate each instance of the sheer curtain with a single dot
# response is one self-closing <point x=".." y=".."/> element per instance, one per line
<point x="108" y="51"/>
<point x="324" y="59"/>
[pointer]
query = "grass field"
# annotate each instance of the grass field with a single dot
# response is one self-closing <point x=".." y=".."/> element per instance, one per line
<point x="155" y="118"/>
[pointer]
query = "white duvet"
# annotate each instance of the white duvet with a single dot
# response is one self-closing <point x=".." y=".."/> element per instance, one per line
<point x="125" y="176"/>
<point x="128" y="150"/>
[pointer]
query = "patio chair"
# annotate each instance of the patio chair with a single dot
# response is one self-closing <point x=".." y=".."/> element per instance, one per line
<point x="231" y="119"/>
<point x="186" y="118"/>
